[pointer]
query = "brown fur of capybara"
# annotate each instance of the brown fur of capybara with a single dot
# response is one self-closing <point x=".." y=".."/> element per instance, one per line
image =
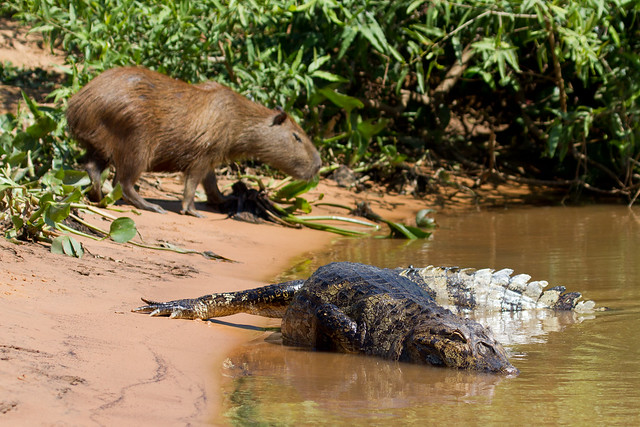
<point x="140" y="120"/>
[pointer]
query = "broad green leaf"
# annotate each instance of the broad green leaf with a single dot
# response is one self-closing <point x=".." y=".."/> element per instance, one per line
<point x="423" y="219"/>
<point x="74" y="248"/>
<point x="302" y="204"/>
<point x="57" y="245"/>
<point x="554" y="139"/>
<point x="331" y="14"/>
<point x="251" y="53"/>
<point x="298" y="59"/>
<point x="348" y="34"/>
<point x="56" y="212"/>
<point x="42" y="28"/>
<point x="73" y="197"/>
<point x="122" y="230"/>
<point x="418" y="232"/>
<point x="112" y="197"/>
<point x="341" y="100"/>
<point x="501" y="66"/>
<point x="43" y="202"/>
<point x="328" y="76"/>
<point x="368" y="34"/>
<point x="318" y="62"/>
<point x="43" y="126"/>
<point x="401" y="79"/>
<point x="400" y="231"/>
<point x="75" y="178"/>
<point x="296" y="188"/>
<point x="67" y="245"/>
<point x="420" y="76"/>
<point x="403" y="231"/>
<point x="614" y="35"/>
<point x="17" y="221"/>
<point x="413" y="6"/>
<point x="369" y="129"/>
<point x="5" y="186"/>
<point x="242" y="16"/>
<point x="33" y="107"/>
<point x="302" y="7"/>
<point x="512" y="59"/>
<point x="396" y="54"/>
<point x="457" y="47"/>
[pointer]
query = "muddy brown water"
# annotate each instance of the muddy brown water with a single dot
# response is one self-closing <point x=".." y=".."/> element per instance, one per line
<point x="574" y="369"/>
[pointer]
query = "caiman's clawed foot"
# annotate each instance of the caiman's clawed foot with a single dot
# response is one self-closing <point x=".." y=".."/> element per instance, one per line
<point x="178" y="309"/>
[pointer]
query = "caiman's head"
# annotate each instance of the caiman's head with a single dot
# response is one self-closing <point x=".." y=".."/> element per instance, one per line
<point x="457" y="343"/>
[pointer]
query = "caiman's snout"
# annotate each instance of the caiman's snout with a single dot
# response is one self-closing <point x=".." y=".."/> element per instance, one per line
<point x="462" y="348"/>
<point x="510" y="370"/>
<point x="492" y="357"/>
<point x="503" y="367"/>
<point x="458" y="343"/>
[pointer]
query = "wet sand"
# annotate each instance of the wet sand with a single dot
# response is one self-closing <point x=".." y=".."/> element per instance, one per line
<point x="72" y="353"/>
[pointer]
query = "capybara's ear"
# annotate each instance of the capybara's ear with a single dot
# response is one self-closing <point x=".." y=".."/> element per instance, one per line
<point x="280" y="118"/>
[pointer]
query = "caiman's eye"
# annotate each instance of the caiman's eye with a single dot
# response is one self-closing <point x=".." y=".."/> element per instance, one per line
<point x="297" y="137"/>
<point x="484" y="348"/>
<point x="457" y="336"/>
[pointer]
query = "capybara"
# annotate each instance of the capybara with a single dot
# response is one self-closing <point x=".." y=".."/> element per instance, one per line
<point x="140" y="120"/>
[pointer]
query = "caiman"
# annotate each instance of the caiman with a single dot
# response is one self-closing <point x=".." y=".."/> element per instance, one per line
<point x="396" y="314"/>
<point x="465" y="289"/>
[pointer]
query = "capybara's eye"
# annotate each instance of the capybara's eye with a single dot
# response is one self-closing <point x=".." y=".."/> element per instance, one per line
<point x="297" y="137"/>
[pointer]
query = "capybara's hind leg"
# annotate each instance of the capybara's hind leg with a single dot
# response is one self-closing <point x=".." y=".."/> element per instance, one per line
<point x="94" y="164"/>
<point x="127" y="174"/>
<point x="210" y="183"/>
<point x="131" y="195"/>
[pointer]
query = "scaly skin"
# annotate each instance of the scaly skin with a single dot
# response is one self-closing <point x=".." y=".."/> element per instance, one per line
<point x="363" y="309"/>
<point x="267" y="301"/>
<point x="490" y="290"/>
<point x="357" y="308"/>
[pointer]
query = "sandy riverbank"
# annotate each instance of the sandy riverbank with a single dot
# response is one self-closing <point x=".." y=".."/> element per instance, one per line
<point x="72" y="353"/>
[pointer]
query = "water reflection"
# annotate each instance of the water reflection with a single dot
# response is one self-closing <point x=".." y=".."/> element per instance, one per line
<point x="575" y="369"/>
<point x="528" y="326"/>
<point x="342" y="385"/>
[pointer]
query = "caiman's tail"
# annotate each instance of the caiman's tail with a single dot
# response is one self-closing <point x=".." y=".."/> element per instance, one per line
<point x="488" y="289"/>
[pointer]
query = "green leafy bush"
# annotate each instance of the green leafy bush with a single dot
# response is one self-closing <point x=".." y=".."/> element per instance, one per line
<point x="544" y="90"/>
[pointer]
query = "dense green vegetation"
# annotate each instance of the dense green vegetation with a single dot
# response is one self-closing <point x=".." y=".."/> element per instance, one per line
<point x="540" y="92"/>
